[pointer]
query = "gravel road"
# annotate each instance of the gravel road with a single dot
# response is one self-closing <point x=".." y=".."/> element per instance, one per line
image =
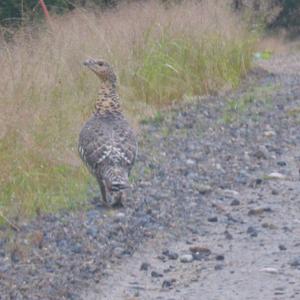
<point x="214" y="212"/>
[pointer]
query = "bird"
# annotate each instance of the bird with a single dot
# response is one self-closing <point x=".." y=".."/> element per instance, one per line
<point x="107" y="143"/>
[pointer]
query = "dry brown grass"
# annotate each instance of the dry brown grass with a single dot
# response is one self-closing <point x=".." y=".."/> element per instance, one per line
<point x="45" y="94"/>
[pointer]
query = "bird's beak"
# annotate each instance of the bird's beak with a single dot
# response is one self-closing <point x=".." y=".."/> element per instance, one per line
<point x="89" y="62"/>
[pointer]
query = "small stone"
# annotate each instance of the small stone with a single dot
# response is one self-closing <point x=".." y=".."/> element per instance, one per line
<point x="281" y="163"/>
<point x="219" y="267"/>
<point x="269" y="270"/>
<point x="203" y="188"/>
<point x="212" y="219"/>
<point x="275" y="192"/>
<point x="269" y="226"/>
<point x="220" y="257"/>
<point x="92" y="231"/>
<point x="252" y="231"/>
<point x="144" y="266"/>
<point x="168" y="283"/>
<point x="228" y="235"/>
<point x="258" y="211"/>
<point x="231" y="193"/>
<point x="186" y="258"/>
<point x="235" y="202"/>
<point x="155" y="274"/>
<point x="261" y="153"/>
<point x="200" y="253"/>
<point x="276" y="175"/>
<point x="282" y="247"/>
<point x="190" y="162"/>
<point x="295" y="262"/>
<point x="269" y="133"/>
<point x="170" y="254"/>
<point x="120" y="216"/>
<point x="77" y="248"/>
<point x="119" y="252"/>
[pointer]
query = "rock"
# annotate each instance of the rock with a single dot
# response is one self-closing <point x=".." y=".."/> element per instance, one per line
<point x="155" y="274"/>
<point x="269" y="226"/>
<point x="228" y="235"/>
<point x="170" y="254"/>
<point x="92" y="231"/>
<point x="119" y="252"/>
<point x="235" y="202"/>
<point x="231" y="193"/>
<point x="261" y="153"/>
<point x="186" y="258"/>
<point x="277" y="175"/>
<point x="269" y="270"/>
<point x="219" y="267"/>
<point x="212" y="219"/>
<point x="200" y="253"/>
<point x="269" y="133"/>
<point x="282" y="247"/>
<point x="144" y="266"/>
<point x="203" y="188"/>
<point x="220" y="257"/>
<point x="190" y="162"/>
<point x="258" y="211"/>
<point x="281" y="163"/>
<point x="275" y="192"/>
<point x="295" y="262"/>
<point x="252" y="231"/>
<point x="168" y="283"/>
<point x="77" y="248"/>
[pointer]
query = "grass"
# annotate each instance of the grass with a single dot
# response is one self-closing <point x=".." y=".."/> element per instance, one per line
<point x="160" y="54"/>
<point x="236" y="108"/>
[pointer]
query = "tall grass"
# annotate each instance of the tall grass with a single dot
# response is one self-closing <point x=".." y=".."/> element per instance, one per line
<point x="160" y="55"/>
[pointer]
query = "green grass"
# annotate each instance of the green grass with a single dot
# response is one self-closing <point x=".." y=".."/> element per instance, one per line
<point x="236" y="108"/>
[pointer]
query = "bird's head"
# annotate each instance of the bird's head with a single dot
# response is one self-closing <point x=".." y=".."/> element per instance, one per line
<point x="102" y="69"/>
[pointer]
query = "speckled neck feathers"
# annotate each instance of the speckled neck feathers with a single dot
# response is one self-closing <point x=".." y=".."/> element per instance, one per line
<point x="108" y="99"/>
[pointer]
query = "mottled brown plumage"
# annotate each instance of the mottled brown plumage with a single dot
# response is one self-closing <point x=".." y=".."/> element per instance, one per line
<point x="107" y="144"/>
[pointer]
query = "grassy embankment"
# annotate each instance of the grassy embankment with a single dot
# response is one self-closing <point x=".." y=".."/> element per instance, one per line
<point x="160" y="56"/>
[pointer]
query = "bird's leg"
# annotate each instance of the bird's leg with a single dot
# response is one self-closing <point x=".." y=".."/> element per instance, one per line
<point x="103" y="191"/>
<point x="114" y="199"/>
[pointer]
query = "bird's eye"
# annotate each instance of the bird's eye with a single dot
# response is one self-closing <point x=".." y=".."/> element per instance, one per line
<point x="100" y="63"/>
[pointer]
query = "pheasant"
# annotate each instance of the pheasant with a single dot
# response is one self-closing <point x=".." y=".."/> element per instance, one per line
<point x="107" y="144"/>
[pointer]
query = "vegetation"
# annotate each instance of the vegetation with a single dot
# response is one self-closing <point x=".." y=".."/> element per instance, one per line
<point x="161" y="54"/>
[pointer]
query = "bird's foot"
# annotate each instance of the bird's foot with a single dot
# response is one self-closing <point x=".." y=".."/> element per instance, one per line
<point x="115" y="200"/>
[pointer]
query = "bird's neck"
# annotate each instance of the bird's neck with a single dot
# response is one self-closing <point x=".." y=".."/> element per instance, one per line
<point x="108" y="99"/>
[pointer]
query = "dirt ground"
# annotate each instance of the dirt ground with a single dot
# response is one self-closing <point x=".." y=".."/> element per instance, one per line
<point x="250" y="248"/>
<point x="214" y="212"/>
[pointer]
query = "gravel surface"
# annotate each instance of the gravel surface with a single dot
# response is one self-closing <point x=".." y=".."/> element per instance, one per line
<point x="215" y="209"/>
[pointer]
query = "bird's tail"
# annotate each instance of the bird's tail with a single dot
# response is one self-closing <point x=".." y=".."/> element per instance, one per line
<point x="116" y="179"/>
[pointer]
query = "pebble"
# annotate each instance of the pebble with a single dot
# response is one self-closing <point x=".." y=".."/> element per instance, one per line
<point x="228" y="235"/>
<point x="168" y="283"/>
<point x="220" y="257"/>
<point x="269" y="270"/>
<point x="212" y="219"/>
<point x="203" y="188"/>
<point x="282" y="247"/>
<point x="200" y="253"/>
<point x="231" y="193"/>
<point x="277" y="175"/>
<point x="281" y="163"/>
<point x="186" y="258"/>
<point x="219" y="267"/>
<point x="235" y="202"/>
<point x="170" y="254"/>
<point x="144" y="266"/>
<point x="155" y="274"/>
<point x="258" y="211"/>
<point x="252" y="231"/>
<point x="295" y="262"/>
